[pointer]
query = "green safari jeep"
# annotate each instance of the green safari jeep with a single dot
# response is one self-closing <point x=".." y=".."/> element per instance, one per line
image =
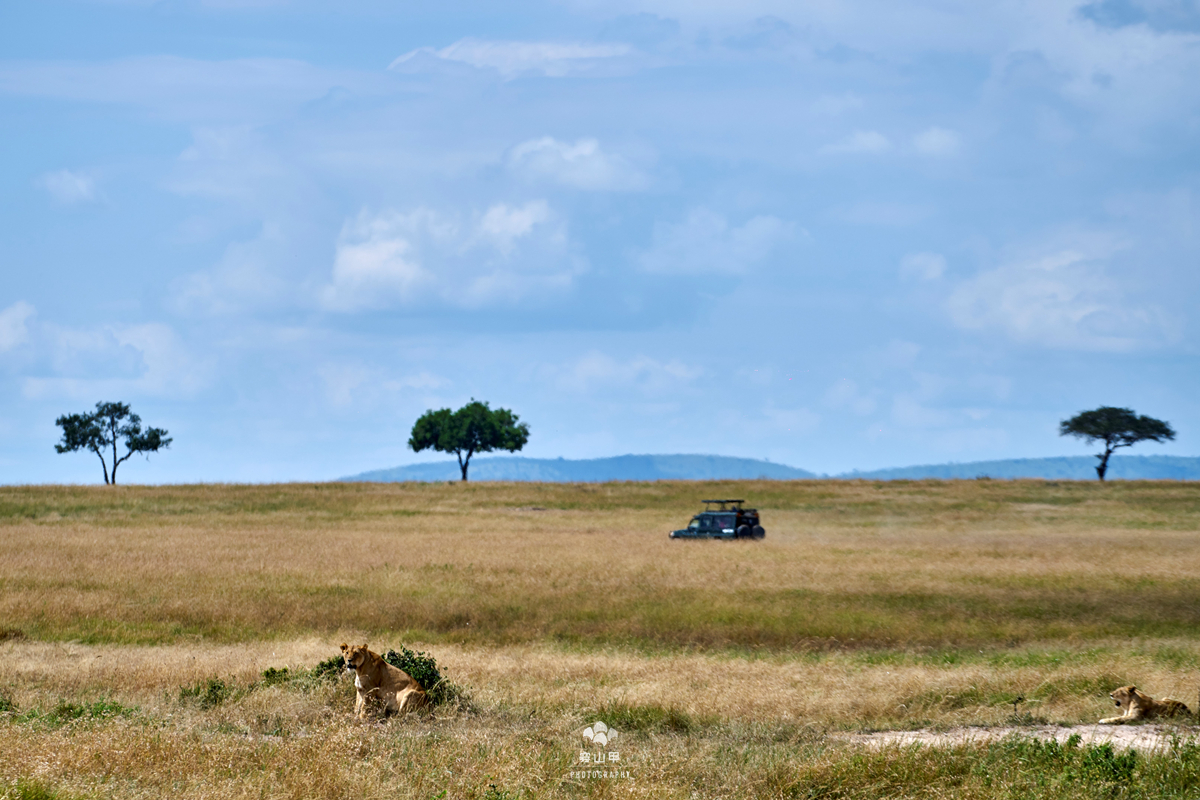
<point x="728" y="521"/>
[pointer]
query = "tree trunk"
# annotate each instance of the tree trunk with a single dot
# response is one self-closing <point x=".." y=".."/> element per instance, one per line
<point x="1102" y="467"/>
<point x="103" y="464"/>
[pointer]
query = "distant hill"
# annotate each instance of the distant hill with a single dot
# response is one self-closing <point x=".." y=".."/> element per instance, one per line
<point x="1180" y="468"/>
<point x="701" y="468"/>
<point x="590" y="470"/>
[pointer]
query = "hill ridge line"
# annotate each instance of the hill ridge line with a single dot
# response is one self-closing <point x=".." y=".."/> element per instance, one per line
<point x="684" y="466"/>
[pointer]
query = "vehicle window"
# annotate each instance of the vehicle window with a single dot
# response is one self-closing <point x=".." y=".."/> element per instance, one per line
<point x="694" y="523"/>
<point x="725" y="521"/>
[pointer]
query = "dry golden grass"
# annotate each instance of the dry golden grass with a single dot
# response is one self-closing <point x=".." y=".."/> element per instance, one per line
<point x="714" y="724"/>
<point x="934" y="564"/>
<point x="727" y="665"/>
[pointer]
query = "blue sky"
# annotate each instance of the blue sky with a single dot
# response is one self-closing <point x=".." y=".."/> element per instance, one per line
<point x="838" y="235"/>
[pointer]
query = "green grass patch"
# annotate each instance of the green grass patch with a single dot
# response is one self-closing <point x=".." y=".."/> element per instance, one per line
<point x="627" y="718"/>
<point x="31" y="790"/>
<point x="207" y="694"/>
<point x="66" y="712"/>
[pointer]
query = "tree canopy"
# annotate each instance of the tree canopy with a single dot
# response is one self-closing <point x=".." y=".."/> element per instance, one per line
<point x="1116" y="427"/>
<point x="474" y="428"/>
<point x="102" y="429"/>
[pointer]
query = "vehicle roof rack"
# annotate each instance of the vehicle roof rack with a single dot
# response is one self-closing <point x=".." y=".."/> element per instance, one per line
<point x="724" y="502"/>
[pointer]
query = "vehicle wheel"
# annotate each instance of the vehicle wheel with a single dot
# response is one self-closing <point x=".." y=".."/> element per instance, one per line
<point x="743" y="532"/>
<point x="759" y="532"/>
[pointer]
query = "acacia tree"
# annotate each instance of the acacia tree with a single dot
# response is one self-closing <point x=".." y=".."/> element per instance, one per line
<point x="1116" y="427"/>
<point x="101" y="430"/>
<point x="474" y="428"/>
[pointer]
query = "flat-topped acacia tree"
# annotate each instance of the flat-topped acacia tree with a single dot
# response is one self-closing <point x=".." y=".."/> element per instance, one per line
<point x="101" y="430"/>
<point x="474" y="428"/>
<point x="1116" y="427"/>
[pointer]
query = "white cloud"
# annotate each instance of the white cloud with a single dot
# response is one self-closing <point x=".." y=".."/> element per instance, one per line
<point x="69" y="188"/>
<point x="922" y="266"/>
<point x="705" y="243"/>
<point x="1062" y="300"/>
<point x="147" y="359"/>
<point x="937" y="142"/>
<point x="582" y="165"/>
<point x="171" y="368"/>
<point x="247" y="276"/>
<point x="375" y="265"/>
<point x="13" y="328"/>
<point x="511" y="59"/>
<point x="599" y="372"/>
<point x="507" y="254"/>
<point x="866" y="142"/>
<point x="504" y="225"/>
<point x="212" y="92"/>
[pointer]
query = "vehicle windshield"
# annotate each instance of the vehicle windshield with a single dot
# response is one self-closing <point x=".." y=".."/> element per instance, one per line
<point x="695" y="523"/>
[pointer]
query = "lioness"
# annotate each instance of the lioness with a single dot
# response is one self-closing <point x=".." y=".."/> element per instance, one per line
<point x="375" y="679"/>
<point x="1141" y="706"/>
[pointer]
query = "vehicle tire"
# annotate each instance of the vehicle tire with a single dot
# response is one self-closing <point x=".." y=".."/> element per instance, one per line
<point x="744" y="532"/>
<point x="759" y="532"/>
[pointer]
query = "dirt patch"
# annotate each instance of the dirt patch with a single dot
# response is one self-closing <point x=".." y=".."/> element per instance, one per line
<point x="1140" y="737"/>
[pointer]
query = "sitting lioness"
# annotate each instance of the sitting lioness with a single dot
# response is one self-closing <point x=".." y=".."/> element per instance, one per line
<point x="1141" y="706"/>
<point x="377" y="680"/>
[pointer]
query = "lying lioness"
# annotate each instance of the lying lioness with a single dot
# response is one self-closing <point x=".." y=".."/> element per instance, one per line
<point x="376" y="680"/>
<point x="1141" y="706"/>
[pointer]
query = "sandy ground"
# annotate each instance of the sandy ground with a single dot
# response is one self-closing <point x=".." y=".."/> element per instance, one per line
<point x="1141" y="737"/>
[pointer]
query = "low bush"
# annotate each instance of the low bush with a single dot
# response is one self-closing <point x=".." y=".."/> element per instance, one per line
<point x="330" y="668"/>
<point x="207" y="694"/>
<point x="423" y="668"/>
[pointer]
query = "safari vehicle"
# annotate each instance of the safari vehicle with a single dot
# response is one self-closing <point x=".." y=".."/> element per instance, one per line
<point x="728" y="521"/>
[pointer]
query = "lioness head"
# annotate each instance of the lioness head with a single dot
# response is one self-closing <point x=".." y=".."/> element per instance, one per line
<point x="355" y="656"/>
<point x="1121" y="696"/>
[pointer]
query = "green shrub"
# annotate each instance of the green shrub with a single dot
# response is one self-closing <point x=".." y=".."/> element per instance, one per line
<point x="272" y="676"/>
<point x="423" y="668"/>
<point x="209" y="694"/>
<point x="1104" y="765"/>
<point x="330" y="668"/>
<point x="100" y="709"/>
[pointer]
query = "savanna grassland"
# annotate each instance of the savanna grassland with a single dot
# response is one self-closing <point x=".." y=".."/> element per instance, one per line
<point x="144" y="630"/>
